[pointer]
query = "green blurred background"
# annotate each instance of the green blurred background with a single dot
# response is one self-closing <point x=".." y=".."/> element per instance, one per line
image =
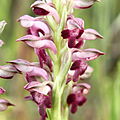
<point x="104" y="98"/>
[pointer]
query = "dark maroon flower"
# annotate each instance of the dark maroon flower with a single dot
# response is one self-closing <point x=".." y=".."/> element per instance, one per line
<point x="73" y="32"/>
<point x="44" y="58"/>
<point x="77" y="97"/>
<point x="39" y="37"/>
<point x="76" y="34"/>
<point x="41" y="95"/>
<point x="41" y="8"/>
<point x="79" y="67"/>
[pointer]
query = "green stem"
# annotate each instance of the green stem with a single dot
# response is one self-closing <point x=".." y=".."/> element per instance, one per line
<point x="59" y="110"/>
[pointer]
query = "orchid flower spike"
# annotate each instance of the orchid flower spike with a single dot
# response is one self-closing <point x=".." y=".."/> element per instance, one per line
<point x="56" y="36"/>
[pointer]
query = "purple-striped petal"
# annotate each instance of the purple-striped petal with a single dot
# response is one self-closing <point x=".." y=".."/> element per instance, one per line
<point x="43" y="44"/>
<point x="35" y="25"/>
<point x="29" y="37"/>
<point x="7" y="71"/>
<point x="39" y="42"/>
<point x="29" y="68"/>
<point x="26" y="21"/>
<point x="82" y="4"/>
<point x="4" y="104"/>
<point x="86" y="54"/>
<point x="90" y="34"/>
<point x="35" y="86"/>
<point x="83" y="88"/>
<point x="40" y="27"/>
<point x="83" y="85"/>
<point x="73" y="23"/>
<point x="41" y="8"/>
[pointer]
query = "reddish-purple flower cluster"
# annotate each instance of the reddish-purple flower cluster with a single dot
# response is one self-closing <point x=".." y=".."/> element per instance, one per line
<point x="39" y="76"/>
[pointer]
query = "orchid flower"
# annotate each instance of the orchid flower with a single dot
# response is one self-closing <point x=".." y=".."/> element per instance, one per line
<point x="77" y="97"/>
<point x="76" y="34"/>
<point x="41" y="8"/>
<point x="56" y="36"/>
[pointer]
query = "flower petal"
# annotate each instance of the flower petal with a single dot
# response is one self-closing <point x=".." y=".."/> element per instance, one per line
<point x="29" y="68"/>
<point x="34" y="24"/>
<point x="2" y="90"/>
<point x="4" y="104"/>
<point x="41" y="8"/>
<point x="78" y="64"/>
<point x="42" y="44"/>
<point x="35" y="86"/>
<point x="71" y="98"/>
<point x="82" y="4"/>
<point x="90" y="34"/>
<point x="29" y="37"/>
<point x="87" y="73"/>
<point x="82" y="68"/>
<point x="73" y="23"/>
<point x="81" y="100"/>
<point x="26" y="21"/>
<point x="7" y="71"/>
<point x="40" y="26"/>
<point x="86" y="54"/>
<point x="38" y="42"/>
<point x="73" y="108"/>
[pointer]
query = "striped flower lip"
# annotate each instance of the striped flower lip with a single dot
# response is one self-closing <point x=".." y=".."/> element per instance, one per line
<point x="86" y="54"/>
<point x="7" y="71"/>
<point x="34" y="86"/>
<point x="29" y="68"/>
<point x="39" y="42"/>
<point x="83" y="4"/>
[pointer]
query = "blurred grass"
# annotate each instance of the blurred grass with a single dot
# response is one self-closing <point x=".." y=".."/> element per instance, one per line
<point x="103" y="102"/>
